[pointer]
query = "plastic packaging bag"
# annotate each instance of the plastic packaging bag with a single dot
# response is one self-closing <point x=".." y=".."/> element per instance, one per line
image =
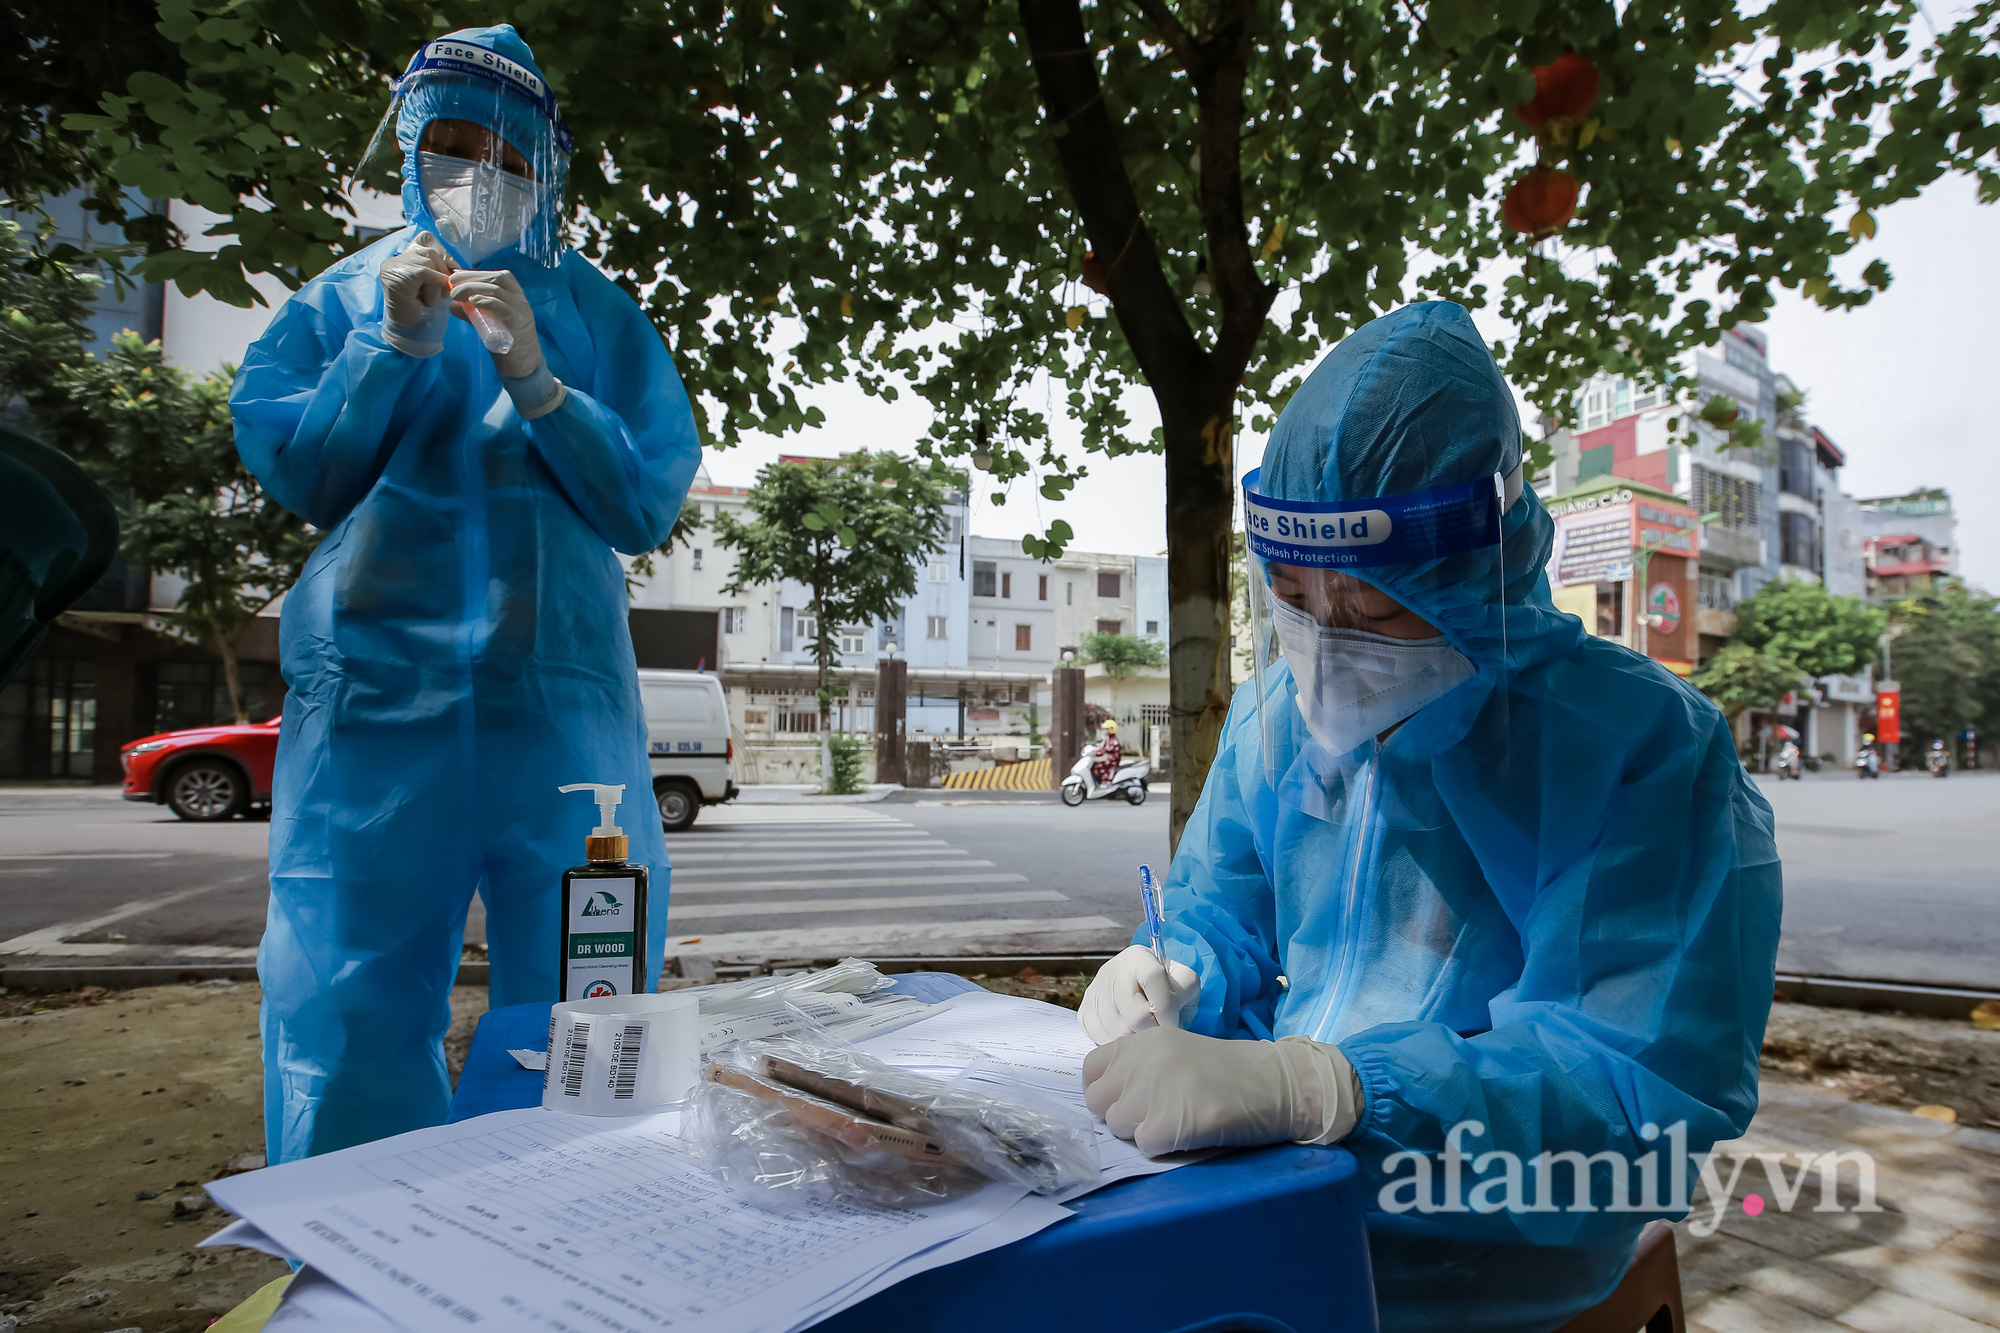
<point x="800" y="1116"/>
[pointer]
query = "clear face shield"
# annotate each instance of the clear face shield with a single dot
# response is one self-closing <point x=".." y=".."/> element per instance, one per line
<point x="491" y="157"/>
<point x="1378" y="635"/>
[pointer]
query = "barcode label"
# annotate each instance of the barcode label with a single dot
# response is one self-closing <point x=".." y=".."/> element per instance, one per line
<point x="626" y="1049"/>
<point x="574" y="1051"/>
<point x="548" y="1064"/>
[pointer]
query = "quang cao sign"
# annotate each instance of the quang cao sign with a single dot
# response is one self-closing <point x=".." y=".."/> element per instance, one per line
<point x="1598" y="535"/>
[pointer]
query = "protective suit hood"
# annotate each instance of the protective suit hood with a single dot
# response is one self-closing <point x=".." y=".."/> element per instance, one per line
<point x="1410" y="402"/>
<point x="521" y="109"/>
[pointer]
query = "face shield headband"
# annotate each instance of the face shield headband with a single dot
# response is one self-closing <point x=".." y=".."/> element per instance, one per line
<point x="1353" y="683"/>
<point x="479" y="208"/>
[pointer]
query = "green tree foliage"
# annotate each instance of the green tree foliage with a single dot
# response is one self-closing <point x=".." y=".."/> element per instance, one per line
<point x="1122" y="654"/>
<point x="1798" y="618"/>
<point x="1947" y="661"/>
<point x="1741" y="677"/>
<point x="1001" y="205"/>
<point x="853" y="530"/>
<point x="159" y="441"/>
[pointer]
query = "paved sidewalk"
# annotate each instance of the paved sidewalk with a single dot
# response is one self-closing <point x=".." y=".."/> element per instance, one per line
<point x="1928" y="1262"/>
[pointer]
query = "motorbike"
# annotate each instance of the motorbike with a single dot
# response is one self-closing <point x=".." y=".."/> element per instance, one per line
<point x="1128" y="781"/>
<point x="1868" y="764"/>
<point x="1788" y="763"/>
<point x="1940" y="762"/>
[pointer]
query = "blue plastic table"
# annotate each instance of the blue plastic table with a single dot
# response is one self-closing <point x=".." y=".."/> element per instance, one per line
<point x="1270" y="1239"/>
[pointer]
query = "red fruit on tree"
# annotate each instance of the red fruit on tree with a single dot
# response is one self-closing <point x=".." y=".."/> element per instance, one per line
<point x="1565" y="88"/>
<point x="1541" y="203"/>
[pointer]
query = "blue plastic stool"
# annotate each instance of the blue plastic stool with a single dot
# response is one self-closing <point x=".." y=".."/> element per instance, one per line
<point x="1271" y="1240"/>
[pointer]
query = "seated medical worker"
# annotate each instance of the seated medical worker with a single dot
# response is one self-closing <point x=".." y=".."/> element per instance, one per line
<point x="478" y="419"/>
<point x="1466" y="885"/>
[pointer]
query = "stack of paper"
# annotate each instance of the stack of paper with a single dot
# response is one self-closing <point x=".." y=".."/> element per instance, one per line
<point x="534" y="1219"/>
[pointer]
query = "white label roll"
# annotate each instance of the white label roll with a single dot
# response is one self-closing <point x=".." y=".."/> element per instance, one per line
<point x="622" y="1054"/>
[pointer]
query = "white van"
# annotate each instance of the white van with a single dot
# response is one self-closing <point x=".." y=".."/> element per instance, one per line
<point x="687" y="738"/>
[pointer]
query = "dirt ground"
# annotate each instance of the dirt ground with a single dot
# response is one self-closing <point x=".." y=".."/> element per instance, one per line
<point x="115" y="1110"/>
<point x="1888" y="1059"/>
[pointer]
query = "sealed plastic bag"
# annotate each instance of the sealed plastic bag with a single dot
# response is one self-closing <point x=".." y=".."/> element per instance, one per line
<point x="805" y="1117"/>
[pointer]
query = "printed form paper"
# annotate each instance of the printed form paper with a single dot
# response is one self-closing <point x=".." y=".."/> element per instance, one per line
<point x="534" y="1219"/>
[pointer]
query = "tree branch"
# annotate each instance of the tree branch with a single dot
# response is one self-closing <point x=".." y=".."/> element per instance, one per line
<point x="1149" y="311"/>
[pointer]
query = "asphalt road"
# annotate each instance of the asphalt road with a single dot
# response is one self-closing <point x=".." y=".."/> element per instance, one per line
<point x="1897" y="879"/>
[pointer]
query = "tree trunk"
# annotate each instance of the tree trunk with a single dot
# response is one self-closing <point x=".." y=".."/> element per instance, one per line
<point x="225" y="647"/>
<point x="1201" y="479"/>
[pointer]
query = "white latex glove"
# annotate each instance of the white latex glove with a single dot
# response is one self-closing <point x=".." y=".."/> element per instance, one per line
<point x="416" y="290"/>
<point x="523" y="371"/>
<point x="1133" y="991"/>
<point x="1167" y="1090"/>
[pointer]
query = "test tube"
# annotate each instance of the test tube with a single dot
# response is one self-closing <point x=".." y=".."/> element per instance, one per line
<point x="498" y="338"/>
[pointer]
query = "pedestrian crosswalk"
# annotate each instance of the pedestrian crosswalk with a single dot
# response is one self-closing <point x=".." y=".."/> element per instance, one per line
<point x="830" y="880"/>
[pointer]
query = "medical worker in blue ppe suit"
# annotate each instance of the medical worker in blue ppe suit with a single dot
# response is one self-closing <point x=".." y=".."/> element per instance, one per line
<point x="1464" y="880"/>
<point x="457" y="646"/>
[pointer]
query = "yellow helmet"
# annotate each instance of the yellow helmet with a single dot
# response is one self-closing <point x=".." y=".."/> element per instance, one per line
<point x="1867" y="735"/>
<point x="1110" y="727"/>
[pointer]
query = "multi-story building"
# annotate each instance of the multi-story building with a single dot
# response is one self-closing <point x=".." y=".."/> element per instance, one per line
<point x="1013" y="607"/>
<point x="1094" y="593"/>
<point x="1908" y="541"/>
<point x="1638" y="433"/>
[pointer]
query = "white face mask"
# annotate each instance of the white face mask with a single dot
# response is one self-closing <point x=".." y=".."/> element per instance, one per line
<point x="479" y="208"/>
<point x="1354" y="685"/>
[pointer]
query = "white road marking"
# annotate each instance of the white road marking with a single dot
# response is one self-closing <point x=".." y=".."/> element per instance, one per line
<point x="49" y="939"/>
<point x="709" y="911"/>
<point x="829" y="854"/>
<point x="815" y="882"/>
<point x="812" y="882"/>
<point x="887" y="937"/>
<point x="89" y="856"/>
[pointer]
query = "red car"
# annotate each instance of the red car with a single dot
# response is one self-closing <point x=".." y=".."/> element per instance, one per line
<point x="204" y="773"/>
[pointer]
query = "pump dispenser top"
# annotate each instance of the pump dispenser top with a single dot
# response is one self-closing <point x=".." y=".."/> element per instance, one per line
<point x="606" y="842"/>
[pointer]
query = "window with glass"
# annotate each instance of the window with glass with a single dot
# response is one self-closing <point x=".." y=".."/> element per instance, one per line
<point x="937" y="627"/>
<point x="985" y="578"/>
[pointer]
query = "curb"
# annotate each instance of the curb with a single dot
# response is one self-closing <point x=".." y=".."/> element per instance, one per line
<point x="1900" y="996"/>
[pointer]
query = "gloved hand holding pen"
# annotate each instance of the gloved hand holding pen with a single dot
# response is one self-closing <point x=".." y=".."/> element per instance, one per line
<point x="1136" y="990"/>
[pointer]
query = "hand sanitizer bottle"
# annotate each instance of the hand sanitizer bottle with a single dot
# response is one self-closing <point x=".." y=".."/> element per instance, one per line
<point x="603" y="910"/>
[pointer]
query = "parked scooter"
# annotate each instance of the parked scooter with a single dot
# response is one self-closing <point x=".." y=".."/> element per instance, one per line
<point x="1788" y="762"/>
<point x="1128" y="781"/>
<point x="1939" y="760"/>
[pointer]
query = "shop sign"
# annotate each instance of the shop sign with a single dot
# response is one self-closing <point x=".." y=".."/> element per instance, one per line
<point x="1591" y="551"/>
<point x="1664" y="602"/>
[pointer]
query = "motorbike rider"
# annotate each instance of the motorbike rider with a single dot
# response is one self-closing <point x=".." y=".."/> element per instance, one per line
<point x="1109" y="755"/>
<point x="1867" y="759"/>
<point x="1940" y="760"/>
<point x="1788" y="759"/>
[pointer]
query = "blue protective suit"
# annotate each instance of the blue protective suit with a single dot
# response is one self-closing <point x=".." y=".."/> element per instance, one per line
<point x="456" y="649"/>
<point x="1580" y="943"/>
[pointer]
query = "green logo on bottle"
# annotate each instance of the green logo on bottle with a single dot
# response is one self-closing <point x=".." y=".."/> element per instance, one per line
<point x="610" y="906"/>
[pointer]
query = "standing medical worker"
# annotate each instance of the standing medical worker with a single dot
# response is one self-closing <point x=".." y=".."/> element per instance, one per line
<point x="478" y="419"/>
<point x="1466" y="884"/>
